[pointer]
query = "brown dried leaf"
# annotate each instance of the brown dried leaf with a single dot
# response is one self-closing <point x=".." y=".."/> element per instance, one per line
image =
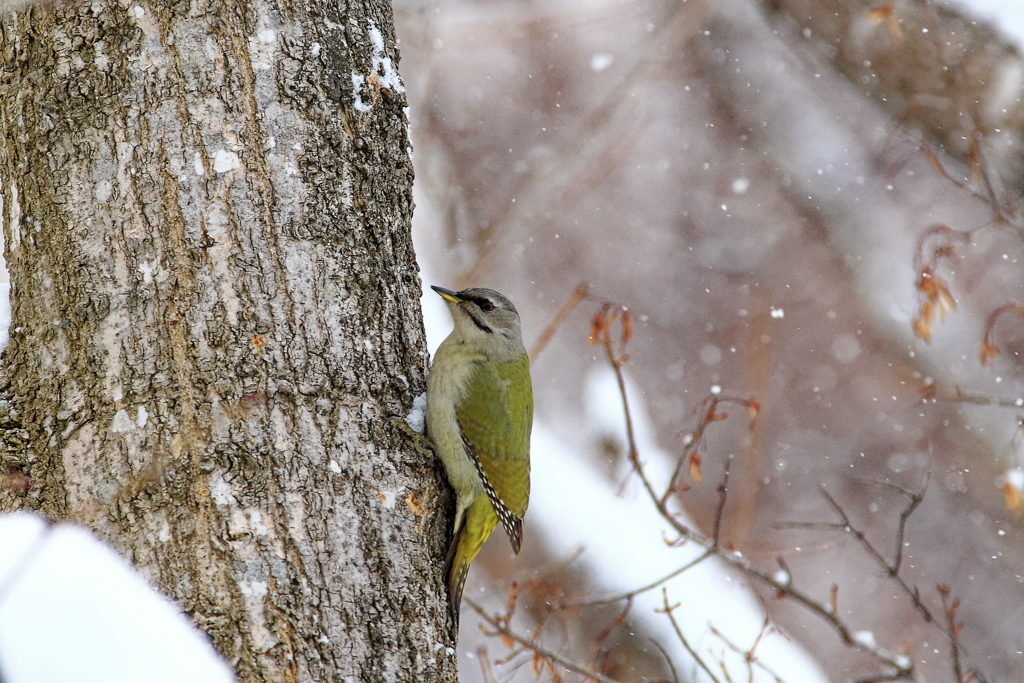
<point x="513" y="594"/>
<point x="695" y="467"/>
<point x="598" y="327"/>
<point x="879" y="14"/>
<point x="926" y="282"/>
<point x="754" y="408"/>
<point x="988" y="352"/>
<point x="923" y="323"/>
<point x="1012" y="498"/>
<point x="946" y="301"/>
<point x="537" y="664"/>
<point x="951" y="610"/>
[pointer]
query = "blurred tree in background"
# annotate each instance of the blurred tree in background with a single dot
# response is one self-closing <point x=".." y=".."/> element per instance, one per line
<point x="810" y="203"/>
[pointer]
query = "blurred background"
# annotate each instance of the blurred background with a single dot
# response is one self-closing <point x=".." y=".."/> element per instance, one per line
<point x="813" y="203"/>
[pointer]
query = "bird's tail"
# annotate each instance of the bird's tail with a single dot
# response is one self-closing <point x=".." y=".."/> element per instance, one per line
<point x="477" y="524"/>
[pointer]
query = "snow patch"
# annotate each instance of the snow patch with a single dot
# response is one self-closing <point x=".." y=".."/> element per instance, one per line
<point x="383" y="67"/>
<point x="1015" y="477"/>
<point x="389" y="498"/>
<point x="146" y="268"/>
<point x="75" y="612"/>
<point x="221" y="492"/>
<point x="224" y="161"/>
<point x="382" y="64"/>
<point x="253" y="589"/>
<point x="417" y="417"/>
<point x="122" y="422"/>
<point x="357" y="86"/>
<point x="865" y="638"/>
<point x="601" y="61"/>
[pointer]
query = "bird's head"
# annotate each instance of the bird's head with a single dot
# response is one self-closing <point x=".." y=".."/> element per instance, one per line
<point x="484" y="317"/>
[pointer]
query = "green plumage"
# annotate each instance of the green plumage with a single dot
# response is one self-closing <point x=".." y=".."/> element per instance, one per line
<point x="496" y="415"/>
<point x="479" y="416"/>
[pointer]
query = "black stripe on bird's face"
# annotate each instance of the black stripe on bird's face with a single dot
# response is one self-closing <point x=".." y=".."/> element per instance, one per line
<point x="472" y="313"/>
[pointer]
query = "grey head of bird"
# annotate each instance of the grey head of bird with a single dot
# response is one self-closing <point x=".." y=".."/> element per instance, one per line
<point x="484" y="318"/>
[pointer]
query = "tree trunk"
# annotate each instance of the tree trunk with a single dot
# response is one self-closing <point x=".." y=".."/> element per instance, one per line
<point x="215" y="310"/>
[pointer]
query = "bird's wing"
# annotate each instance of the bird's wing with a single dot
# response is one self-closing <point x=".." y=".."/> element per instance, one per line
<point x="496" y="416"/>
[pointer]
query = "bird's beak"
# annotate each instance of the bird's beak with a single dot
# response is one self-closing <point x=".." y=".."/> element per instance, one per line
<point x="447" y="294"/>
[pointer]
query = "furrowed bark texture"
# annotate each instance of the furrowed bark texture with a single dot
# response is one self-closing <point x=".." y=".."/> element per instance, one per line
<point x="215" y="310"/>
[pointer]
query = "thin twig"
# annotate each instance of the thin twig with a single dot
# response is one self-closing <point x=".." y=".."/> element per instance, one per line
<point x="668" y="660"/>
<point x="903" y="667"/>
<point x="748" y="654"/>
<point x="563" y="312"/>
<point x="485" y="665"/>
<point x="949" y="608"/>
<point x="617" y="363"/>
<point x="682" y="639"/>
<point x="723" y="493"/>
<point x="961" y="396"/>
<point x="892" y="569"/>
<point x="629" y="595"/>
<point x="506" y="631"/>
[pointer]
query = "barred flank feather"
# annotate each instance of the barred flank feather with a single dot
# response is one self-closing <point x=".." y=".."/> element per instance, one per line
<point x="512" y="524"/>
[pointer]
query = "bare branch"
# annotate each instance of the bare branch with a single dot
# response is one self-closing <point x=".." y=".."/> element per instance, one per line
<point x="668" y="660"/>
<point x="485" y="665"/>
<point x="723" y="492"/>
<point x="502" y="628"/>
<point x="629" y="595"/>
<point x="682" y="639"/>
<point x="600" y="334"/>
<point x="563" y="312"/>
<point x="892" y="569"/>
<point x="749" y="656"/>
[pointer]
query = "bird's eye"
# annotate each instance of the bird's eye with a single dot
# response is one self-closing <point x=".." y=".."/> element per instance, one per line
<point x="486" y="306"/>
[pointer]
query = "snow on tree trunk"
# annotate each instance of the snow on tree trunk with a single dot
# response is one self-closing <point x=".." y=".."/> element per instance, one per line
<point x="215" y="310"/>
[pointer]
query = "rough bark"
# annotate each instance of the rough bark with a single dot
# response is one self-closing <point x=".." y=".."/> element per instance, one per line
<point x="215" y="310"/>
